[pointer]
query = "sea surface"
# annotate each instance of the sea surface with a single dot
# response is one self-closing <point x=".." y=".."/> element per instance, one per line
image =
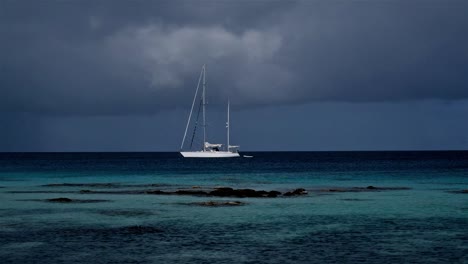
<point x="368" y="207"/>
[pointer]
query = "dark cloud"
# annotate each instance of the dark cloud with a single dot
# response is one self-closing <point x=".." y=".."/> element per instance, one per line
<point x="125" y="57"/>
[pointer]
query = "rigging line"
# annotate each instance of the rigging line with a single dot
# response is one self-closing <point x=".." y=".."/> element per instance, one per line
<point x="191" y="110"/>
<point x="196" y="123"/>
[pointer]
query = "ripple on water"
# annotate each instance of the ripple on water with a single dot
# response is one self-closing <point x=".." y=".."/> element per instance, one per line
<point x="22" y="245"/>
<point x="300" y="239"/>
<point x="355" y="200"/>
<point x="126" y="213"/>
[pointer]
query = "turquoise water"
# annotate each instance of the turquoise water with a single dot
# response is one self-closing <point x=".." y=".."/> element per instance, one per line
<point x="421" y="218"/>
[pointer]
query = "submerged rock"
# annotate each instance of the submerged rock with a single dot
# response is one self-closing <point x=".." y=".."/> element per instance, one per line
<point x="363" y="189"/>
<point x="220" y="203"/>
<point x="241" y="193"/>
<point x="337" y="190"/>
<point x="68" y="200"/>
<point x="155" y="192"/>
<point x="273" y="194"/>
<point x="41" y="192"/>
<point x="60" y="200"/>
<point x="372" y="188"/>
<point x="355" y="200"/>
<point x="190" y="192"/>
<point x="460" y="191"/>
<point x="223" y="191"/>
<point x="296" y="192"/>
<point x="218" y="192"/>
<point x="101" y="185"/>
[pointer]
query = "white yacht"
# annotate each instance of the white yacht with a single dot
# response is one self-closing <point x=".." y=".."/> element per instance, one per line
<point x="208" y="150"/>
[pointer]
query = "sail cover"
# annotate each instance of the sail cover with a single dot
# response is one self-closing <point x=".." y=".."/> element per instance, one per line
<point x="209" y="145"/>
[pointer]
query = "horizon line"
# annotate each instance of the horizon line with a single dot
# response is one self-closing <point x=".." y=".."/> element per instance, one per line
<point x="403" y="150"/>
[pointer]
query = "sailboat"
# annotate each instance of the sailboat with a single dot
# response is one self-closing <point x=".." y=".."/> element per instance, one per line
<point x="208" y="150"/>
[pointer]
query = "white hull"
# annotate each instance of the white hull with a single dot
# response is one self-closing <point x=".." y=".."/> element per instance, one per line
<point x="209" y="154"/>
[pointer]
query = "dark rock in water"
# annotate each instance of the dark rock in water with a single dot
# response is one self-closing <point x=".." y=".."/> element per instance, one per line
<point x="155" y="192"/>
<point x="41" y="192"/>
<point x="60" y="200"/>
<point x="363" y="189"/>
<point x="296" y="192"/>
<point x="355" y="200"/>
<point x="249" y="193"/>
<point x="189" y="192"/>
<point x="68" y="200"/>
<point x="273" y="194"/>
<point x="241" y="193"/>
<point x="461" y="191"/>
<point x="233" y="203"/>
<point x="220" y="203"/>
<point x="223" y="191"/>
<point x="178" y="192"/>
<point x="220" y="192"/>
<point x="335" y="190"/>
<point x="101" y="185"/>
<point x="111" y="192"/>
<point x="372" y="188"/>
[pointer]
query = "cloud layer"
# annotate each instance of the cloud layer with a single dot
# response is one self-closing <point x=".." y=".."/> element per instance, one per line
<point x="134" y="57"/>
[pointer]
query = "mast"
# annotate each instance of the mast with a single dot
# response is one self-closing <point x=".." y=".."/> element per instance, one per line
<point x="227" y="126"/>
<point x="204" y="103"/>
<point x="191" y="109"/>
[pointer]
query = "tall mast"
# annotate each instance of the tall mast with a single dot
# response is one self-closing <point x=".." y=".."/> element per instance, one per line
<point x="227" y="126"/>
<point x="191" y="111"/>
<point x="204" y="102"/>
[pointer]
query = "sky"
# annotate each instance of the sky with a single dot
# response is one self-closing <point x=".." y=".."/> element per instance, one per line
<point x="300" y="75"/>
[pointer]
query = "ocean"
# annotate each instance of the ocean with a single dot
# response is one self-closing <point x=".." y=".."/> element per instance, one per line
<point x="368" y="207"/>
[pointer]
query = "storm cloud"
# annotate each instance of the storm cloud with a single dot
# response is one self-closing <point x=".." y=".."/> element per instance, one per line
<point x="132" y="57"/>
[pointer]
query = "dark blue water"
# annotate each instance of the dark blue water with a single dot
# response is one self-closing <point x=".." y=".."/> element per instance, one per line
<point x="417" y="214"/>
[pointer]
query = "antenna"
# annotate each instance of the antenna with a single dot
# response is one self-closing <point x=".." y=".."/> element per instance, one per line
<point x="227" y="125"/>
<point x="204" y="103"/>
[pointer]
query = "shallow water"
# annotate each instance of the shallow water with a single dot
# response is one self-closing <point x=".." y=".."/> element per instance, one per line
<point x="425" y="222"/>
